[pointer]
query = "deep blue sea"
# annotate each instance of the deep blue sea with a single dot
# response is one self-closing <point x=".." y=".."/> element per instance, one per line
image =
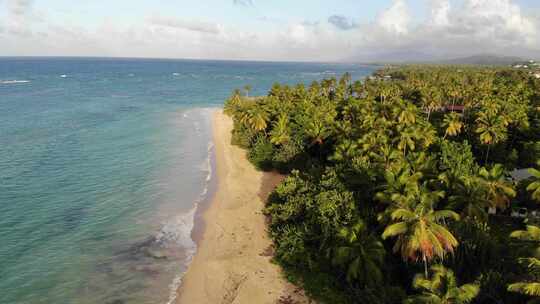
<point x="102" y="165"/>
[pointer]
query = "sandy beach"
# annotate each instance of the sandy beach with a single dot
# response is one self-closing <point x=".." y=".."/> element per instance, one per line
<point x="232" y="264"/>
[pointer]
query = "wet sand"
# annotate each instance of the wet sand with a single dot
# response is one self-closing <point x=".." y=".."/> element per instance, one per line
<point x="233" y="264"/>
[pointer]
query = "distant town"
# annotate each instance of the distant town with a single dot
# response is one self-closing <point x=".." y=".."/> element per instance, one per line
<point x="531" y="65"/>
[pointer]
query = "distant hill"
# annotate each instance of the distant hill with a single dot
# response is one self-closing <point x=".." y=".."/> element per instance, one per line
<point x="414" y="57"/>
<point x="484" y="60"/>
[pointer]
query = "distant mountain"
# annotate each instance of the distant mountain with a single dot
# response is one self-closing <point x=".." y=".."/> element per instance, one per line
<point x="398" y="57"/>
<point x="416" y="57"/>
<point x="484" y="60"/>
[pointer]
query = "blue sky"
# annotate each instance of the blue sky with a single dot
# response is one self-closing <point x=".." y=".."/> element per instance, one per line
<point x="270" y="29"/>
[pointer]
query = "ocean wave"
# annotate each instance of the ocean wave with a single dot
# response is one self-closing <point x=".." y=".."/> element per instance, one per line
<point x="13" y="81"/>
<point x="180" y="229"/>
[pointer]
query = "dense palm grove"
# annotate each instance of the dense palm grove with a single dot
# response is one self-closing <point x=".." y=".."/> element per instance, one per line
<point x="390" y="181"/>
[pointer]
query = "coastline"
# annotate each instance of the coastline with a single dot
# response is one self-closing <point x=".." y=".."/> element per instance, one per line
<point x="231" y="264"/>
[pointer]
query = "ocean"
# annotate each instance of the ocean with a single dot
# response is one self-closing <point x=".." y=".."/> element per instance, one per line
<point x="103" y="163"/>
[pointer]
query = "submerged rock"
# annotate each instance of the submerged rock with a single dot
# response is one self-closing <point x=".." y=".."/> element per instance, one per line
<point x="156" y="253"/>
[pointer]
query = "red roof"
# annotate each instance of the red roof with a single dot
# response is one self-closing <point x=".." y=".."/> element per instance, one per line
<point x="457" y="108"/>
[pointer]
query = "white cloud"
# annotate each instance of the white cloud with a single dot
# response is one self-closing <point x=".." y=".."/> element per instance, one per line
<point x="191" y="25"/>
<point x="440" y="10"/>
<point x="19" y="17"/>
<point x="396" y="18"/>
<point x="243" y="2"/>
<point x="19" y="7"/>
<point x="476" y="26"/>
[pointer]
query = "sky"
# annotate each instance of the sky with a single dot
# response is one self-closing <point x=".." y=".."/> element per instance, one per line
<point x="276" y="30"/>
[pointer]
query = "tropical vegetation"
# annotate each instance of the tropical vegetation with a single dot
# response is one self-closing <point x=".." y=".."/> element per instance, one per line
<point x="398" y="186"/>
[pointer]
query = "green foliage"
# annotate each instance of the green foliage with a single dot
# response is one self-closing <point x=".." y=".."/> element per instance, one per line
<point x="442" y="288"/>
<point x="530" y="153"/>
<point x="534" y="186"/>
<point x="360" y="254"/>
<point x="391" y="174"/>
<point x="261" y="153"/>
<point x="531" y="287"/>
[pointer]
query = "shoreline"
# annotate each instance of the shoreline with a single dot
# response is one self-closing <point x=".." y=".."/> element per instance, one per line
<point x="230" y="265"/>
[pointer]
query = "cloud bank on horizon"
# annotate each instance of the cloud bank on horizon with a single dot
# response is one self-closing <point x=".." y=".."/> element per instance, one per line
<point x="250" y="29"/>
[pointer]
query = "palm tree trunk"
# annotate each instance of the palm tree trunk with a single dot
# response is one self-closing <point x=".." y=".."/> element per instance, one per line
<point x="487" y="154"/>
<point x="425" y="264"/>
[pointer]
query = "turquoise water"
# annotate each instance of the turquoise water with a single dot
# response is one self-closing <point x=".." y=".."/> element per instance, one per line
<point x="102" y="164"/>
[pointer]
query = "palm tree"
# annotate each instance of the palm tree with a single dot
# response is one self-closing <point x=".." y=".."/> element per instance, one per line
<point x="318" y="122"/>
<point x="280" y="133"/>
<point x="247" y="89"/>
<point x="531" y="288"/>
<point x="491" y="128"/>
<point x="408" y="115"/>
<point x="470" y="198"/>
<point x="442" y="288"/>
<point x="361" y="253"/>
<point x="399" y="181"/>
<point x="534" y="187"/>
<point x="419" y="228"/>
<point x="255" y="117"/>
<point x="499" y="191"/>
<point x="233" y="104"/>
<point x="452" y="123"/>
<point x="407" y="139"/>
<point x="431" y="100"/>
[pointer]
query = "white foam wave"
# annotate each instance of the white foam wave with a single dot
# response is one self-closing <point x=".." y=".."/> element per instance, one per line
<point x="208" y="161"/>
<point x="13" y="81"/>
<point x="181" y="228"/>
<point x="178" y="231"/>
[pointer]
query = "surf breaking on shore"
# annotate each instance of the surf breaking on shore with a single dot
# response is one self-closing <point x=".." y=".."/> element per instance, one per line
<point x="232" y="263"/>
<point x="185" y="224"/>
<point x="163" y="257"/>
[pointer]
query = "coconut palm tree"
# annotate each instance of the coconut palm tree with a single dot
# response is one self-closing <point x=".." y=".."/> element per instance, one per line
<point x="442" y="288"/>
<point x="498" y="190"/>
<point x="361" y="253"/>
<point x="318" y="122"/>
<point x="255" y="117"/>
<point x="233" y="104"/>
<point x="407" y="115"/>
<point x="469" y="197"/>
<point x="419" y="229"/>
<point x="431" y="99"/>
<point x="247" y="89"/>
<point x="531" y="288"/>
<point x="400" y="180"/>
<point x="280" y="133"/>
<point x="491" y="129"/>
<point x="453" y="124"/>
<point x="534" y="187"/>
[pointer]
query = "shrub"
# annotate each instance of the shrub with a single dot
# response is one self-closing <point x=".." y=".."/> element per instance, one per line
<point x="261" y="154"/>
<point x="288" y="156"/>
